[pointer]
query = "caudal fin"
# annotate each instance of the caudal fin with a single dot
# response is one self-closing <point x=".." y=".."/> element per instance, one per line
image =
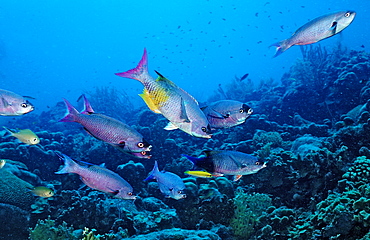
<point x="140" y="72"/>
<point x="69" y="164"/>
<point x="87" y="107"/>
<point x="72" y="113"/>
<point x="152" y="174"/>
<point x="281" y="47"/>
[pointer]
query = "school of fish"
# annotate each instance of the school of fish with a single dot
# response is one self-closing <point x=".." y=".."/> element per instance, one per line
<point x="183" y="112"/>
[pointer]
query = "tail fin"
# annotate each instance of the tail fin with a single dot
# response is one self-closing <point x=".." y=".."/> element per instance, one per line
<point x="69" y="164"/>
<point x="72" y="113"/>
<point x="152" y="174"/>
<point x="281" y="47"/>
<point x="140" y="72"/>
<point x="87" y="107"/>
<point x="194" y="160"/>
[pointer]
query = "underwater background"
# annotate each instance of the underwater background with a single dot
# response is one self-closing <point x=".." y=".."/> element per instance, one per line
<point x="310" y="121"/>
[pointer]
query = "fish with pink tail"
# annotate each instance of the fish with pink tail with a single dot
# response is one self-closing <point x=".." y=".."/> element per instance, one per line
<point x="164" y="97"/>
<point x="98" y="178"/>
<point x="316" y="30"/>
<point x="109" y="130"/>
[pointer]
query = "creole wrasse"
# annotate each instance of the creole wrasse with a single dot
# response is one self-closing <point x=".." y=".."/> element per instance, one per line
<point x="316" y="30"/>
<point x="109" y="130"/>
<point x="163" y="96"/>
<point x="98" y="177"/>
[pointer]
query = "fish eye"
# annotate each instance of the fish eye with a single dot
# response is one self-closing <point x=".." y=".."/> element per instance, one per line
<point x="179" y="192"/>
<point x="24" y="105"/>
<point x="250" y="111"/>
<point x="204" y="129"/>
<point x="257" y="163"/>
<point x="143" y="153"/>
<point x="241" y="110"/>
<point x="35" y="139"/>
<point x="129" y="193"/>
<point x="347" y="14"/>
<point x="140" y="144"/>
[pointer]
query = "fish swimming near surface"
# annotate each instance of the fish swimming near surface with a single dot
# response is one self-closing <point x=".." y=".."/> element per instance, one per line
<point x="12" y="104"/>
<point x="109" y="130"/>
<point x="316" y="30"/>
<point x="226" y="113"/>
<point x="164" y="97"/>
<point x="169" y="183"/>
<point x="98" y="178"/>
<point x="42" y="191"/>
<point x="2" y="163"/>
<point x="224" y="162"/>
<point x="25" y="136"/>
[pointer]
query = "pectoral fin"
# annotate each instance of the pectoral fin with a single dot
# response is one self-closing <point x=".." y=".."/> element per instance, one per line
<point x="237" y="177"/>
<point x="183" y="115"/>
<point x="170" y="126"/>
<point x="5" y="103"/>
<point x="238" y="164"/>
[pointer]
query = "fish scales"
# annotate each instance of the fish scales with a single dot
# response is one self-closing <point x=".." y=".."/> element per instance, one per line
<point x="98" y="178"/>
<point x="164" y="97"/>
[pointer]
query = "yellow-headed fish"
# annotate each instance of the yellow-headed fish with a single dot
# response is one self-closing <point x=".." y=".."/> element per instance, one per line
<point x="25" y="136"/>
<point x="42" y="191"/>
<point x="2" y="163"/>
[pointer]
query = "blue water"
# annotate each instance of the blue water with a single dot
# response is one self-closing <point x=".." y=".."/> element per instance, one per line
<point x="55" y="49"/>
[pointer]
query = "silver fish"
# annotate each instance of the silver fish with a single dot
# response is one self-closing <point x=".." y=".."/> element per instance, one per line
<point x="12" y="104"/>
<point x="316" y="30"/>
<point x="227" y="113"/>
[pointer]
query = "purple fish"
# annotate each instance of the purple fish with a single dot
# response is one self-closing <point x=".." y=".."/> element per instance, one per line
<point x="109" y="130"/>
<point x="99" y="178"/>
<point x="222" y="162"/>
<point x="169" y="183"/>
<point x="227" y="113"/>
<point x="316" y="30"/>
<point x="12" y="104"/>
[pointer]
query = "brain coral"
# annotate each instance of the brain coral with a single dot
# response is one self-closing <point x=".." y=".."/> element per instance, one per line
<point x="13" y="190"/>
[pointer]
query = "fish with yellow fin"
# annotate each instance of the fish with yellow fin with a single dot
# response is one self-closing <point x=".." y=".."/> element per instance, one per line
<point x="164" y="97"/>
<point x="25" y="136"/>
<point x="42" y="191"/>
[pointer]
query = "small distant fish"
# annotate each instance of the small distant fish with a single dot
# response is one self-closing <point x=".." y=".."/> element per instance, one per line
<point x="169" y="183"/>
<point x="316" y="30"/>
<point x="12" y="104"/>
<point x="42" y="191"/>
<point x="164" y="97"/>
<point x="2" y="163"/>
<point x="99" y="178"/>
<point x="202" y="174"/>
<point x="244" y="77"/>
<point x="227" y="113"/>
<point x="109" y="130"/>
<point x="220" y="163"/>
<point x="25" y="136"/>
